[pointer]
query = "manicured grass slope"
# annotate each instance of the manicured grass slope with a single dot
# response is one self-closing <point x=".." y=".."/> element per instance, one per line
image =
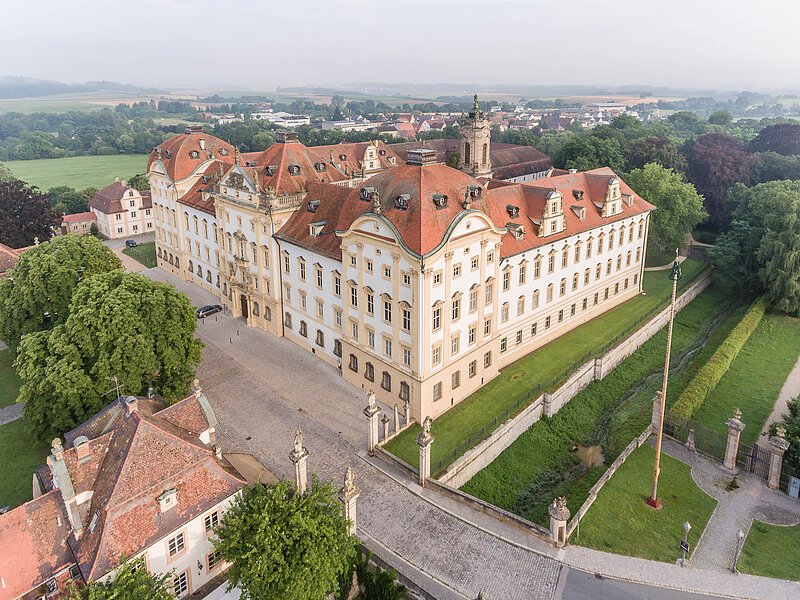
<point x="539" y="465"/>
<point x="619" y="521"/>
<point x="20" y="456"/>
<point x="9" y="382"/>
<point x="755" y="377"/>
<point x="79" y="171"/>
<point x="536" y="369"/>
<point x="144" y="253"/>
<point x="771" y="551"/>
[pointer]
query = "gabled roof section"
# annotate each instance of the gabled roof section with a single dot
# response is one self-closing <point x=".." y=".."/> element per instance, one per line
<point x="199" y="195"/>
<point x="274" y="164"/>
<point x="183" y="153"/>
<point x="108" y="200"/>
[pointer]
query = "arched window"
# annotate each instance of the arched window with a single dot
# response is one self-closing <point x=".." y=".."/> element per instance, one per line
<point x="320" y="338"/>
<point x="171" y="260"/>
<point x="467" y="156"/>
<point x="405" y="391"/>
<point x="178" y="262"/>
<point x="369" y="372"/>
<point x="520" y="305"/>
<point x="303" y="329"/>
<point x="337" y="348"/>
<point x="535" y="299"/>
<point x="485" y="155"/>
<point x="575" y="281"/>
<point x="550" y="292"/>
<point x="205" y="228"/>
<point x="196" y="229"/>
<point x="562" y="288"/>
<point x="191" y="267"/>
<point x="208" y="276"/>
<point x="255" y="308"/>
<point x="159" y="253"/>
<point x="353" y="363"/>
<point x="268" y="313"/>
<point x="287" y="320"/>
<point x="386" y="381"/>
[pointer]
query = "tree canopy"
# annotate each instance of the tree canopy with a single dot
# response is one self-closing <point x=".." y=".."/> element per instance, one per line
<point x="37" y="294"/>
<point x="763" y="241"/>
<point x="25" y="214"/>
<point x="121" y="325"/>
<point x="679" y="206"/>
<point x="591" y="152"/>
<point x="771" y="166"/>
<point x="286" y="545"/>
<point x="783" y="138"/>
<point x="140" y="182"/>
<point x="69" y="201"/>
<point x="791" y="423"/>
<point x="716" y="163"/>
<point x="658" y="150"/>
<point x="131" y="582"/>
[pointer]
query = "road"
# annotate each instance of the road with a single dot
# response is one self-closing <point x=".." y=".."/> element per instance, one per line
<point x="587" y="586"/>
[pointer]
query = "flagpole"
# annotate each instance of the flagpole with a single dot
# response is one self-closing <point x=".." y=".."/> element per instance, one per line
<point x="674" y="275"/>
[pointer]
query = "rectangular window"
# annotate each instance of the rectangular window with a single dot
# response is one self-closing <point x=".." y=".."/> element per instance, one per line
<point x="437" y="278"/>
<point x="214" y="559"/>
<point x="455" y="380"/>
<point x="320" y="309"/>
<point x="370" y="338"/>
<point x="488" y="294"/>
<point x="537" y="267"/>
<point x="547" y="322"/>
<point x="387" y="271"/>
<point x="457" y="270"/>
<point x="319" y="278"/>
<point x="353" y="297"/>
<point x="406" y="320"/>
<point x="522" y="272"/>
<point x="564" y="258"/>
<point x="355" y="330"/>
<point x="600" y="244"/>
<point x="436" y="355"/>
<point x="353" y="261"/>
<point x="519" y="337"/>
<point x="503" y="344"/>
<point x="472" y="369"/>
<point x="437" y="318"/>
<point x="473" y="263"/>
<point x="551" y="262"/>
<point x="471" y="335"/>
<point x="589" y="248"/>
<point x="387" y="311"/>
<point x="407" y="357"/>
<point x="473" y="300"/>
<point x="533" y="329"/>
<point x="504" y="313"/>
<point x="506" y="280"/>
<point x="176" y="544"/>
<point x="487" y="327"/>
<point x="487" y="360"/>
<point x="585" y="303"/>
<point x="456" y="308"/>
<point x="572" y="310"/>
<point x="437" y="391"/>
<point x="406" y="279"/>
<point x="211" y="520"/>
<point x="337" y="315"/>
<point x="370" y="303"/>
<point x="490" y="257"/>
<point x="337" y="285"/>
<point x="286" y="263"/>
<point x="387" y="347"/>
<point x="369" y="265"/>
<point x="303" y="301"/>
<point x="180" y="584"/>
<point x="454" y="345"/>
<point x="561" y="315"/>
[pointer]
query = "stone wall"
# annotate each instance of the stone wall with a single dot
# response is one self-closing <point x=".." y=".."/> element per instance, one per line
<point x="468" y="465"/>
<point x="604" y="479"/>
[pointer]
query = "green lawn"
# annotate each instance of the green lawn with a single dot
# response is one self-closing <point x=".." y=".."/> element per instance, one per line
<point x="461" y="427"/>
<point x="20" y="456"/>
<point x="619" y="521"/>
<point x="9" y="382"/>
<point x="755" y="377"/>
<point x="541" y="465"/>
<point x="657" y="258"/>
<point x="764" y="544"/>
<point x="78" y="171"/>
<point x="144" y="253"/>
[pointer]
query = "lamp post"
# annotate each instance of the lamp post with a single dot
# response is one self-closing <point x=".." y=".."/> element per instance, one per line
<point x="674" y="275"/>
<point x="739" y="539"/>
<point x="685" y="544"/>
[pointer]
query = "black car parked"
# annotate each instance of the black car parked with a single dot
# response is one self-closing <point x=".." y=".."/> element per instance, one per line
<point x="206" y="311"/>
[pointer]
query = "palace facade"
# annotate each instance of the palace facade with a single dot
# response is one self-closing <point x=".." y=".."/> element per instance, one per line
<point x="420" y="281"/>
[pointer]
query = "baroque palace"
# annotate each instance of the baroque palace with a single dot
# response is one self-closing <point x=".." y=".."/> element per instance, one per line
<point x="419" y="280"/>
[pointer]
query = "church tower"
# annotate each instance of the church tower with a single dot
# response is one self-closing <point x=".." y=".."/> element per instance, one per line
<point x="476" y="135"/>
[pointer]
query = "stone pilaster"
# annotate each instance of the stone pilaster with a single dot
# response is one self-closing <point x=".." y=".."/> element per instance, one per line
<point x="424" y="441"/>
<point x="385" y="423"/>
<point x="779" y="446"/>
<point x="735" y="428"/>
<point x="348" y="496"/>
<point x="396" y="418"/>
<point x="299" y="456"/>
<point x="371" y="412"/>
<point x="559" y="515"/>
<point x="407" y="411"/>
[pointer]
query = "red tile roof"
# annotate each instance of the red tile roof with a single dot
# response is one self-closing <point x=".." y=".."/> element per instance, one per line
<point x="34" y="541"/>
<point x="176" y="153"/>
<point x="108" y="200"/>
<point x="197" y="196"/>
<point x="78" y="217"/>
<point x="422" y="226"/>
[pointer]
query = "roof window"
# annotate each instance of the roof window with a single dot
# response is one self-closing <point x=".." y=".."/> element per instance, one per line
<point x="319" y="166"/>
<point x="194" y="154"/>
<point x="366" y="192"/>
<point x="168" y="499"/>
<point x="315" y="229"/>
<point x="223" y="152"/>
<point x="271" y="170"/>
<point x="578" y="194"/>
<point x="440" y="200"/>
<point x="312" y="206"/>
<point x="475" y="191"/>
<point x="513" y="211"/>
<point x="517" y="230"/>
<point x="294" y="169"/>
<point x="401" y="202"/>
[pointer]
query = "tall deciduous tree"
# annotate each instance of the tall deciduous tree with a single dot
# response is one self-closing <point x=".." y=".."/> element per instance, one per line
<point x="286" y="545"/>
<point x="771" y="166"/>
<point x="764" y="241"/>
<point x="37" y="294"/>
<point x="120" y="325"/>
<point x="679" y="206"/>
<point x="140" y="182"/>
<point x="68" y="201"/>
<point x="783" y="138"/>
<point x="131" y="582"/>
<point x="658" y="150"/>
<point x="25" y="214"/>
<point x="591" y="152"/>
<point x="716" y="163"/>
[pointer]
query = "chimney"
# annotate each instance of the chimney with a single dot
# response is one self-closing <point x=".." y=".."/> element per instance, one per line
<point x="573" y="171"/>
<point x="131" y="404"/>
<point x="82" y="448"/>
<point x="58" y="449"/>
<point x="202" y="142"/>
<point x="63" y="482"/>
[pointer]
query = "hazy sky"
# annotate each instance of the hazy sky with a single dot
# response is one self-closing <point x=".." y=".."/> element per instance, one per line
<point x="260" y="44"/>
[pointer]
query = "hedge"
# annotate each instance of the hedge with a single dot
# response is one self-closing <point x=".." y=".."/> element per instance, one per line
<point x="712" y="372"/>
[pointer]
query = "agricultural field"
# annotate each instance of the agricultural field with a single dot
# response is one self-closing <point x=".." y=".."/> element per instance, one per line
<point x="79" y="171"/>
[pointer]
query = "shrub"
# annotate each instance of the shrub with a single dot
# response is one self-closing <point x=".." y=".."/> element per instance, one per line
<point x="712" y="372"/>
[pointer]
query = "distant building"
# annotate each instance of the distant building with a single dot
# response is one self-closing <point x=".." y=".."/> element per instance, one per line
<point x="140" y="480"/>
<point x="78" y="223"/>
<point x="9" y="257"/>
<point x="122" y="211"/>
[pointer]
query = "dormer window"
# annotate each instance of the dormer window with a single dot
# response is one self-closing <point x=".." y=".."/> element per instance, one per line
<point x="382" y="152"/>
<point x="402" y="201"/>
<point x="627" y="199"/>
<point x="313" y="205"/>
<point x="580" y="211"/>
<point x="578" y="194"/>
<point x="391" y="160"/>
<point x="168" y="153"/>
<point x="440" y="200"/>
<point x="366" y="192"/>
<point x="474" y="191"/>
<point x="271" y="170"/>
<point x="194" y="154"/>
<point x="294" y="169"/>
<point x="223" y="152"/>
<point x="343" y="157"/>
<point x="315" y="229"/>
<point x="517" y="230"/>
<point x="513" y="211"/>
<point x="319" y="166"/>
<point x="168" y="500"/>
